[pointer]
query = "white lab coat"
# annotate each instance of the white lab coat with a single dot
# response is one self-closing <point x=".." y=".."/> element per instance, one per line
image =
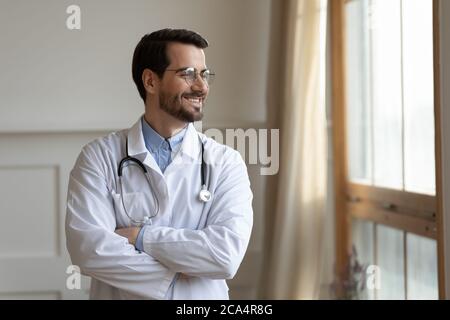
<point x="205" y="242"/>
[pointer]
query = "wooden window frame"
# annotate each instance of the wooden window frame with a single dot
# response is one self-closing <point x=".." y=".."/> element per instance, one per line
<point x="411" y="212"/>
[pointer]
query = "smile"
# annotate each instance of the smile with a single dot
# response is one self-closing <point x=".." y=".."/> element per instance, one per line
<point x="196" y="102"/>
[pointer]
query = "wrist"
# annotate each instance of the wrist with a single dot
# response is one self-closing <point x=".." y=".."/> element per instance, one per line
<point x="135" y="235"/>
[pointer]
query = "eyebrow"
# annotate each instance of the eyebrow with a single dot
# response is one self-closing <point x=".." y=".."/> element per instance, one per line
<point x="184" y="68"/>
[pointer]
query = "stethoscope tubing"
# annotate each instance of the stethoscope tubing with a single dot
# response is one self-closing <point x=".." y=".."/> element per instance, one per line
<point x="204" y="194"/>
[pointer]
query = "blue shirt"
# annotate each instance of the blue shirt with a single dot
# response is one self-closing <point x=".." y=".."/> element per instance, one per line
<point x="161" y="149"/>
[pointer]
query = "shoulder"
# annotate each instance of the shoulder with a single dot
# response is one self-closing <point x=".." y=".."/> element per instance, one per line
<point x="227" y="165"/>
<point x="220" y="153"/>
<point x="106" y="143"/>
<point x="103" y="148"/>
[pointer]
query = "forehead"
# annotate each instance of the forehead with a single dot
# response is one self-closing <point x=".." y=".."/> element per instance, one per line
<point x="185" y="55"/>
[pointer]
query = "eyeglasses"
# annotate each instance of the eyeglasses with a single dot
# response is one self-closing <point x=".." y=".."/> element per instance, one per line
<point x="189" y="74"/>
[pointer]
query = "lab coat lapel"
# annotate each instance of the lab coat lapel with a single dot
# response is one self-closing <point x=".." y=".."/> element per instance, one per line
<point x="137" y="148"/>
<point x="190" y="146"/>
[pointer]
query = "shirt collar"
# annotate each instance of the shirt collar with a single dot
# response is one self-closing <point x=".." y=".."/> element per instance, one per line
<point x="154" y="141"/>
<point x="136" y="145"/>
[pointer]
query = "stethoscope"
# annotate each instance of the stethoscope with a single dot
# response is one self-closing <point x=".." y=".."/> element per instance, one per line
<point x="204" y="194"/>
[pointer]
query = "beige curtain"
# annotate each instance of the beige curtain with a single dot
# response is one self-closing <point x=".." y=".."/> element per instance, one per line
<point x="294" y="264"/>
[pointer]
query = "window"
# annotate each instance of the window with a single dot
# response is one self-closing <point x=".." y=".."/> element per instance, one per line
<point x="389" y="182"/>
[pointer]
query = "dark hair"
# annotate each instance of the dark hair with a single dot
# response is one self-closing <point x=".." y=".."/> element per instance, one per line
<point x="151" y="52"/>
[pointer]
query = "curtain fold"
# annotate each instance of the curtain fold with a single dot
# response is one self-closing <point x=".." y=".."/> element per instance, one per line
<point x="295" y="254"/>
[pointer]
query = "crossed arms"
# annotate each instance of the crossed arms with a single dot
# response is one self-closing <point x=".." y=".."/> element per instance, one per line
<point x="108" y="254"/>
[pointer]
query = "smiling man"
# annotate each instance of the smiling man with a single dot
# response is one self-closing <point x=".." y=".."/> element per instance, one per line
<point x="160" y="211"/>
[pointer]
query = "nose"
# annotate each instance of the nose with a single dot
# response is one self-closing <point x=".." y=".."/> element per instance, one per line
<point x="199" y="84"/>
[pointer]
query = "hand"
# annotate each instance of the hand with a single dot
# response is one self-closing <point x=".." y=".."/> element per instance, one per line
<point x="130" y="233"/>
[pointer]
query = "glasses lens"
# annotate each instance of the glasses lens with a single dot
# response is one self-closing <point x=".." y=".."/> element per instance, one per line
<point x="190" y="75"/>
<point x="208" y="76"/>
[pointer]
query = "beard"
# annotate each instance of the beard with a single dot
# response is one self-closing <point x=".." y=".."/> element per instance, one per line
<point x="174" y="106"/>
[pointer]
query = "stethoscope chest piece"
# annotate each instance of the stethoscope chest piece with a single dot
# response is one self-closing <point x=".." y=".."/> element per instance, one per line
<point x="204" y="194"/>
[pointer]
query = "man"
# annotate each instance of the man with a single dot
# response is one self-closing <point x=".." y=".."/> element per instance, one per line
<point x="147" y="234"/>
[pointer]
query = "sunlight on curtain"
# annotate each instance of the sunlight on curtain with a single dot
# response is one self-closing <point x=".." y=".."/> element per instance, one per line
<point x="298" y="231"/>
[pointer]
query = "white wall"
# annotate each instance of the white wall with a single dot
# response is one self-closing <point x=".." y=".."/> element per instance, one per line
<point x="60" y="88"/>
<point x="56" y="79"/>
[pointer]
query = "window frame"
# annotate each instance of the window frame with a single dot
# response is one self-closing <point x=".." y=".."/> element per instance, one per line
<point x="410" y="212"/>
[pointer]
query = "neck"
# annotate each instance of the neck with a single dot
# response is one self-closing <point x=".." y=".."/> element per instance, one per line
<point x="162" y="122"/>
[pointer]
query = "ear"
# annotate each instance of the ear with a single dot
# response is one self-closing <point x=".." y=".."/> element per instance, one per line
<point x="150" y="81"/>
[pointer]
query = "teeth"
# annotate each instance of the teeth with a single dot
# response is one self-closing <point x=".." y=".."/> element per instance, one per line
<point x="194" y="100"/>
